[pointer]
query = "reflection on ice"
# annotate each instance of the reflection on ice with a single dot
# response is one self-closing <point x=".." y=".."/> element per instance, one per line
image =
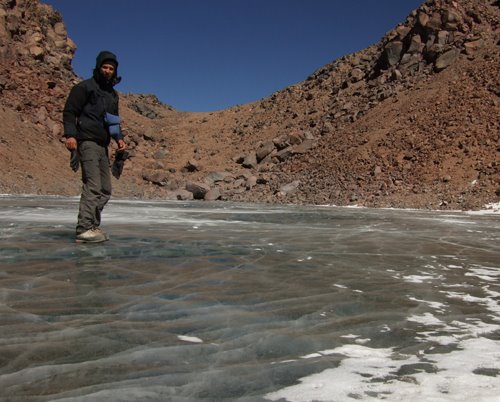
<point x="198" y="301"/>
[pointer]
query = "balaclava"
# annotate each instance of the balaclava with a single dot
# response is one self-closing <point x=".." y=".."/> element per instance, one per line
<point x="108" y="57"/>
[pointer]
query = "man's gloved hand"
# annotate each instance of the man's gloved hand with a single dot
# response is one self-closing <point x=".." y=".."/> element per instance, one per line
<point x="71" y="145"/>
<point x="120" y="158"/>
<point x="74" y="161"/>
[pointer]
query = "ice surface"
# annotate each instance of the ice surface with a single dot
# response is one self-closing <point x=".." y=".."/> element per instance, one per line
<point x="198" y="301"/>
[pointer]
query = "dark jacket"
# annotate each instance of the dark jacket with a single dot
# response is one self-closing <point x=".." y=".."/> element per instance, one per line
<point x="87" y="103"/>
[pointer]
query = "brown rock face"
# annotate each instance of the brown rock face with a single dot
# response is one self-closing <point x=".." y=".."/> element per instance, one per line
<point x="409" y="122"/>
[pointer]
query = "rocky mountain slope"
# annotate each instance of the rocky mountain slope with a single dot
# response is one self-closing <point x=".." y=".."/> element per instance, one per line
<point x="411" y="121"/>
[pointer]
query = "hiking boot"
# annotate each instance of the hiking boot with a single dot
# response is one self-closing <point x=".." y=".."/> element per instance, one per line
<point x="93" y="235"/>
<point x="99" y="230"/>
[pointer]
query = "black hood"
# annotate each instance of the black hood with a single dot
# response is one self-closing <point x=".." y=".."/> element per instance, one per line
<point x="109" y="57"/>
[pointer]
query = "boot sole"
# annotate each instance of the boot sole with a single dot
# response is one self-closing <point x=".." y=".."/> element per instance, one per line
<point x="91" y="241"/>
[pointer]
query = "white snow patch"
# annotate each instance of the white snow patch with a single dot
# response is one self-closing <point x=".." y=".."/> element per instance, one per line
<point x="192" y="339"/>
<point x="371" y="375"/>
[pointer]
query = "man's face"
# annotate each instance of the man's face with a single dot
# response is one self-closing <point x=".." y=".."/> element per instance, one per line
<point x="107" y="70"/>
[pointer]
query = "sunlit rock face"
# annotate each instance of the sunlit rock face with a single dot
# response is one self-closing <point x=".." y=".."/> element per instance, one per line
<point x="409" y="121"/>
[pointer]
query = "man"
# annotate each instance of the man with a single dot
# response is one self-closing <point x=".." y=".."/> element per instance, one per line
<point x="88" y="136"/>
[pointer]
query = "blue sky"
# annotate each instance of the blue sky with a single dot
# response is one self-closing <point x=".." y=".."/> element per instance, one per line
<point x="206" y="55"/>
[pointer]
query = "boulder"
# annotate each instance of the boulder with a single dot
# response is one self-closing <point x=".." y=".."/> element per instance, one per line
<point x="284" y="154"/>
<point x="160" y="154"/>
<point x="144" y="110"/>
<point x="251" y="182"/>
<point x="295" y="138"/>
<point x="215" y="177"/>
<point x="37" y="52"/>
<point x="157" y="177"/>
<point x="305" y="146"/>
<point x="264" y="150"/>
<point x="153" y="137"/>
<point x="442" y="37"/>
<point x="212" y="194"/>
<point x="280" y="142"/>
<point x="446" y="59"/>
<point x="250" y="161"/>
<point x="181" y="195"/>
<point x="422" y="19"/>
<point x="60" y="29"/>
<point x="393" y="52"/>
<point x="290" y="187"/>
<point x="473" y="46"/>
<point x="434" y="22"/>
<point x="416" y="45"/>
<point x="198" y="189"/>
<point x="192" y="166"/>
<point x="357" y="75"/>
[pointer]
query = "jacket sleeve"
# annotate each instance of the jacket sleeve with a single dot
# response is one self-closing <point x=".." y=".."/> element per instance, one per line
<point x="120" y="135"/>
<point x="72" y="110"/>
<point x="117" y="112"/>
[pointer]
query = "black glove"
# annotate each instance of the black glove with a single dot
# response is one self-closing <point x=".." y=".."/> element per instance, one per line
<point x="74" y="161"/>
<point x="120" y="158"/>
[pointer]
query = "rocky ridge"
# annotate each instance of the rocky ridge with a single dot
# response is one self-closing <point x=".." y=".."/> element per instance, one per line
<point x="408" y="122"/>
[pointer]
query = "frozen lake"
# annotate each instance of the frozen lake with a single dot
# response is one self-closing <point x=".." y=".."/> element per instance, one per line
<point x="226" y="302"/>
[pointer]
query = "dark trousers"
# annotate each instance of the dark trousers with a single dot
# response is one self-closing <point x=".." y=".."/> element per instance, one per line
<point x="96" y="184"/>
